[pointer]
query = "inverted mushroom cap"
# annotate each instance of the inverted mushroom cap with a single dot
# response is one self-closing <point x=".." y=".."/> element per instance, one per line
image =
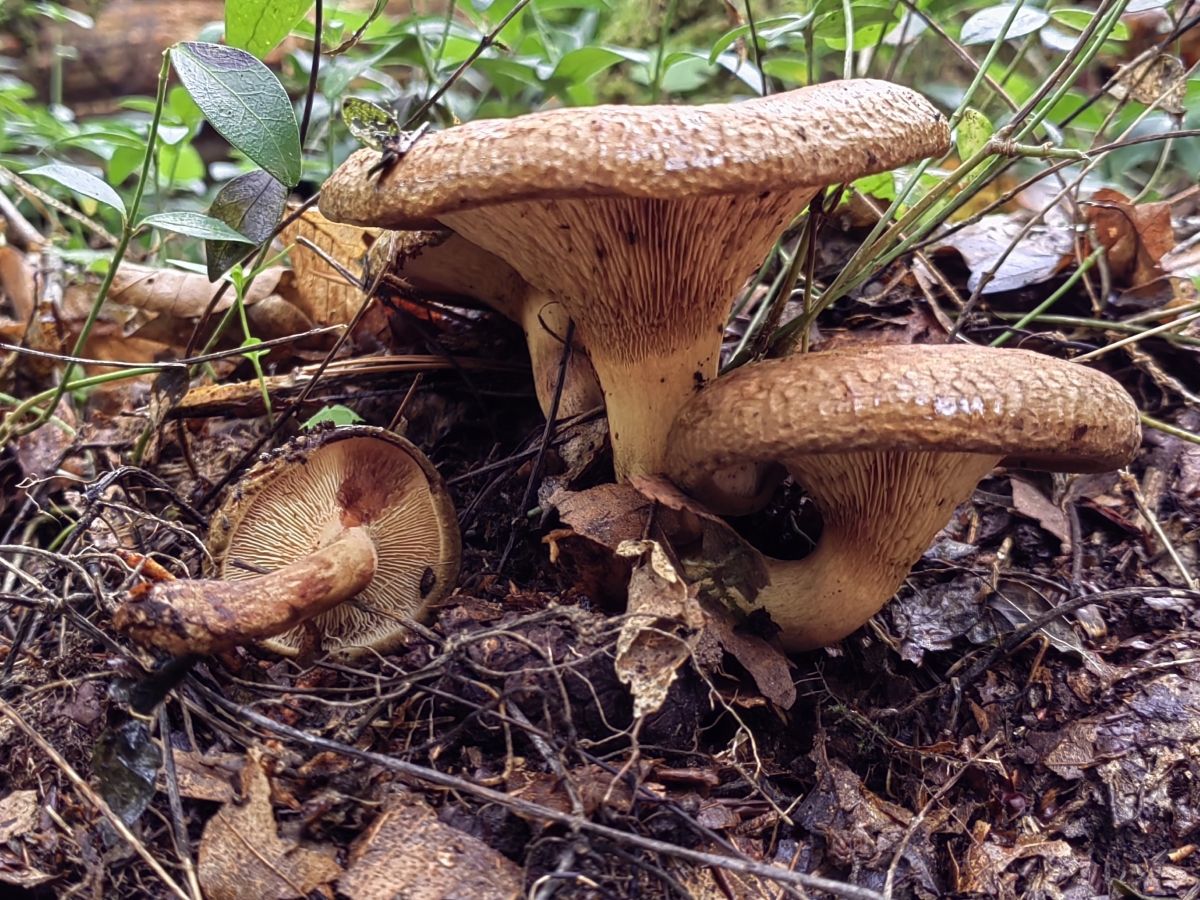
<point x="816" y="136"/>
<point x="322" y="486"/>
<point x="1031" y="410"/>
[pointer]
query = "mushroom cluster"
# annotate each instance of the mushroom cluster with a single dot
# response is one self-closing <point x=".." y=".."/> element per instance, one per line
<point x="354" y="512"/>
<point x="641" y="222"/>
<point x="887" y="441"/>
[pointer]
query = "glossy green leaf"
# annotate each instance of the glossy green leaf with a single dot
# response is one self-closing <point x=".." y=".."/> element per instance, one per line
<point x="251" y="204"/>
<point x="80" y="182"/>
<point x="987" y="24"/>
<point x="973" y="132"/>
<point x="258" y="26"/>
<point x="194" y="224"/>
<point x="244" y="102"/>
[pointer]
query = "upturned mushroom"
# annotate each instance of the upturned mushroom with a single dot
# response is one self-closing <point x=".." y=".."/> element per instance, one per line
<point x="354" y="512"/>
<point x="887" y="441"/>
<point x="642" y="221"/>
<point x="442" y="263"/>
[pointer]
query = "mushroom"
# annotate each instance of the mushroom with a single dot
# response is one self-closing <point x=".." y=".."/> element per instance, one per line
<point x="642" y="221"/>
<point x="347" y="512"/>
<point x="444" y="263"/>
<point x="887" y="441"/>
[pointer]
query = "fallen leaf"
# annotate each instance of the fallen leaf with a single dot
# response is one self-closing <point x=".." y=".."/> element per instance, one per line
<point x="322" y="293"/>
<point x="1160" y="79"/>
<point x="242" y="856"/>
<point x="662" y="620"/>
<point x="1135" y="236"/>
<point x="767" y="664"/>
<point x="18" y="815"/>
<point x="987" y="859"/>
<point x="1033" y="504"/>
<point x="407" y="853"/>
<point x="1038" y="256"/>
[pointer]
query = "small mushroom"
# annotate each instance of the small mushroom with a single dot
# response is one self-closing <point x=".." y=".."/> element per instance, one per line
<point x="642" y="221"/>
<point x="888" y="441"/>
<point x="446" y="264"/>
<point x="353" y="512"/>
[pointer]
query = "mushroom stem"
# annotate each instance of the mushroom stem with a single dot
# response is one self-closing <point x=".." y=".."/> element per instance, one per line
<point x="642" y="399"/>
<point x="868" y="542"/>
<point x="451" y="264"/>
<point x="210" y="615"/>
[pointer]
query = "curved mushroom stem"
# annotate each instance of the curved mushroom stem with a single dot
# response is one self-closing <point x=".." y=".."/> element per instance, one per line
<point x="208" y="615"/>
<point x="455" y="265"/>
<point x="880" y="512"/>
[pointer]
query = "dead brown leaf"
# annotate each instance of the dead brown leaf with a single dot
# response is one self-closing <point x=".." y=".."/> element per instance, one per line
<point x="1038" y="256"/>
<point x="1135" y="237"/>
<point x="984" y="870"/>
<point x="321" y="291"/>
<point x="408" y="853"/>
<point x="1160" y="79"/>
<point x="661" y="624"/>
<point x="242" y="856"/>
<point x="1033" y="504"/>
<point x="18" y="815"/>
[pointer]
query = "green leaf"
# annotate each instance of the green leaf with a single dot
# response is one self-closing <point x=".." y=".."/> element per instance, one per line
<point x="973" y="132"/>
<point x="80" y="182"/>
<point x="251" y="204"/>
<point x="586" y="62"/>
<point x="1079" y="19"/>
<point x="194" y="224"/>
<point x="244" y="102"/>
<point x="258" y="26"/>
<point x="123" y="163"/>
<point x="180" y="163"/>
<point x="881" y="187"/>
<point x="335" y="415"/>
<point x="986" y="25"/>
<point x="791" y="70"/>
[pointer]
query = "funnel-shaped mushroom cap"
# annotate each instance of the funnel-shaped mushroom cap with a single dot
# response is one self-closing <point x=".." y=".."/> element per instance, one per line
<point x="642" y="221"/>
<point x="323" y="486"/>
<point x="888" y="441"/>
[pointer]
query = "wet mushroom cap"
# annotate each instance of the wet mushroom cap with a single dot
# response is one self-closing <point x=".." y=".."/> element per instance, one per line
<point x="887" y="441"/>
<point x="817" y="136"/>
<point x="1031" y="410"/>
<point x="318" y="488"/>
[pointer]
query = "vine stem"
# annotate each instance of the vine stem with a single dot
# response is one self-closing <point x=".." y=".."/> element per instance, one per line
<point x="11" y="426"/>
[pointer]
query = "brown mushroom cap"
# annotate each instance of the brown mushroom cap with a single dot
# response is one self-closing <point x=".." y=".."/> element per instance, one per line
<point x="355" y="512"/>
<point x="888" y="441"/>
<point x="813" y="136"/>
<point x="322" y="484"/>
<point x="642" y="222"/>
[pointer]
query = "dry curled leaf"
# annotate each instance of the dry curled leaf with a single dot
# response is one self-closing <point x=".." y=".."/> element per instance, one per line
<point x="662" y="621"/>
<point x="1135" y="236"/>
<point x="1160" y="79"/>
<point x="322" y="292"/>
<point x="242" y="856"/>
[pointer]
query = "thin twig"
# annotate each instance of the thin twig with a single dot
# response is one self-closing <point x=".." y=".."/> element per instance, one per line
<point x="95" y="799"/>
